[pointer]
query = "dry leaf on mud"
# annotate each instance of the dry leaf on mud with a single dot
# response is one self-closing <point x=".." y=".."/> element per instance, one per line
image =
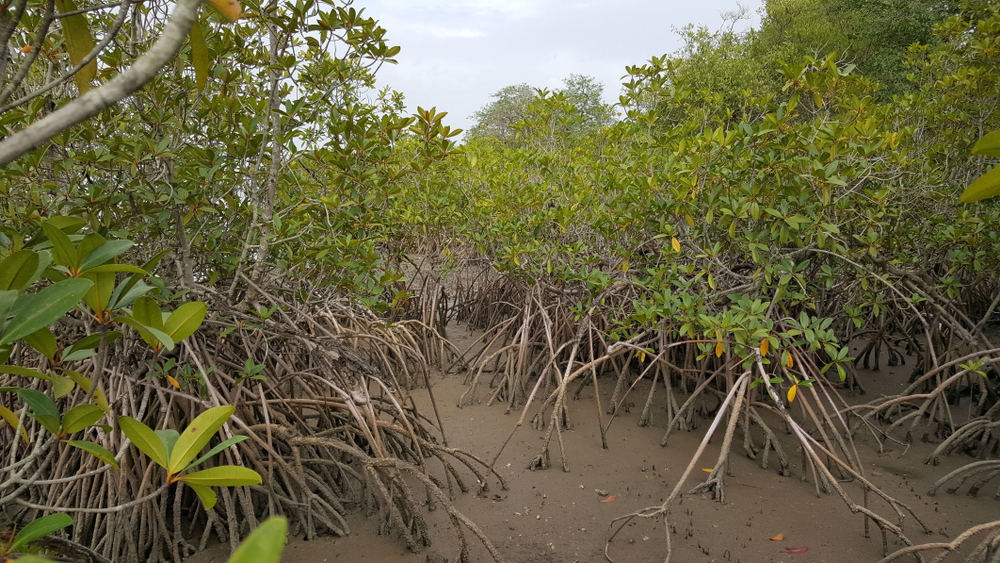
<point x="796" y="550"/>
<point x="778" y="537"/>
<point x="610" y="498"/>
<point x="706" y="470"/>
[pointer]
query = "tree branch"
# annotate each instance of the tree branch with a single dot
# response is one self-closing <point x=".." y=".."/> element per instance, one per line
<point x="94" y="102"/>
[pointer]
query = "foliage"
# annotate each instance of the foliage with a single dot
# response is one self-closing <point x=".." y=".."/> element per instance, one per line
<point x="574" y="110"/>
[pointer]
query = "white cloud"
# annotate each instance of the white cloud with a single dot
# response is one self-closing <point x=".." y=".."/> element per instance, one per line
<point x="455" y="53"/>
<point x="440" y="32"/>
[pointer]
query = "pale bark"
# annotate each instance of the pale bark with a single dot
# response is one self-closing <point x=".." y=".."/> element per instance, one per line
<point x="94" y="102"/>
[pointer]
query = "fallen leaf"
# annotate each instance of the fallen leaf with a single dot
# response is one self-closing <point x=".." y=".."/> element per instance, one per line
<point x="796" y="550"/>
<point x="610" y="498"/>
<point x="778" y="537"/>
<point x="706" y="470"/>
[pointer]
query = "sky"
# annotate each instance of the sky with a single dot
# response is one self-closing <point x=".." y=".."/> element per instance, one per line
<point x="455" y="53"/>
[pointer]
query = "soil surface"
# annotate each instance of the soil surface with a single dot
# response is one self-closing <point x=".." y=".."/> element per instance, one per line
<point x="552" y="516"/>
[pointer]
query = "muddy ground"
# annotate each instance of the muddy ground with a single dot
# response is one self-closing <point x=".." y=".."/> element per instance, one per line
<point x="553" y="516"/>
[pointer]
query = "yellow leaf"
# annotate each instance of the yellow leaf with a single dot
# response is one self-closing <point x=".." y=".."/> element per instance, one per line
<point x="988" y="185"/>
<point x="642" y="356"/>
<point x="690" y="220"/>
<point x="676" y="244"/>
<point x="789" y="362"/>
<point x="791" y="393"/>
<point x="778" y="537"/>
<point x="625" y="266"/>
<point x="79" y="43"/>
<point x="818" y="98"/>
<point x="763" y="347"/>
<point x="718" y="350"/>
<point x="706" y="470"/>
<point x="199" y="56"/>
<point x="13" y="420"/>
<point x="173" y="382"/>
<point x="229" y="8"/>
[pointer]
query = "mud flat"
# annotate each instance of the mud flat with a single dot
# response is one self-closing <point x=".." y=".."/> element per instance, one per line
<point x="553" y="516"/>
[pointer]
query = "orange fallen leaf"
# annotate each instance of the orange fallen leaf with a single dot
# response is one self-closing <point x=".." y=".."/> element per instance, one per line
<point x="173" y="382"/>
<point x="706" y="470"/>
<point x="778" y="537"/>
<point x="610" y="498"/>
<point x="26" y="49"/>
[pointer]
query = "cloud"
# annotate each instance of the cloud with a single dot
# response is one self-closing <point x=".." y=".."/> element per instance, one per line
<point x="440" y="32"/>
<point x="511" y="9"/>
<point x="455" y="53"/>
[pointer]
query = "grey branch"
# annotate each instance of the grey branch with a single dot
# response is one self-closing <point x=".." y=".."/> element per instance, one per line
<point x="94" y="102"/>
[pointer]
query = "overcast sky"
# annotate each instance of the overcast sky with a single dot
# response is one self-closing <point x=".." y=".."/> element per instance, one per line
<point x="455" y="53"/>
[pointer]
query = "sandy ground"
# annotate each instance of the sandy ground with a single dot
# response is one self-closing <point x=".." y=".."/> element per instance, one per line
<point x="553" y="516"/>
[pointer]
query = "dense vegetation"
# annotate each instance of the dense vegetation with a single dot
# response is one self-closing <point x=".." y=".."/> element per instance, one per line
<point x="270" y="235"/>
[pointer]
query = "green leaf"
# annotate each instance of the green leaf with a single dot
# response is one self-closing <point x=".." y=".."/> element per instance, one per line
<point x="206" y="495"/>
<point x="17" y="270"/>
<point x="216" y="450"/>
<point x="988" y="145"/>
<point x="98" y="297"/>
<point x="199" y="55"/>
<point x="197" y="435"/>
<point x="79" y="42"/>
<point x="95" y="450"/>
<point x="265" y="544"/>
<point x="155" y="338"/>
<point x="14" y="421"/>
<point x="39" y="528"/>
<point x="63" y="250"/>
<point x="145" y="439"/>
<point x="169" y="438"/>
<point x="43" y="409"/>
<point x="125" y="294"/>
<point x="85" y="346"/>
<point x="80" y="417"/>
<point x="37" y="310"/>
<point x="223" y="476"/>
<point x="112" y="268"/>
<point x="162" y="337"/>
<point x="185" y="320"/>
<point x="7" y="299"/>
<point x="125" y="289"/>
<point x="105" y="252"/>
<point x="61" y="385"/>
<point x="146" y="311"/>
<point x="987" y="185"/>
<point x="44" y="341"/>
<point x="67" y="223"/>
<point x="24" y="372"/>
